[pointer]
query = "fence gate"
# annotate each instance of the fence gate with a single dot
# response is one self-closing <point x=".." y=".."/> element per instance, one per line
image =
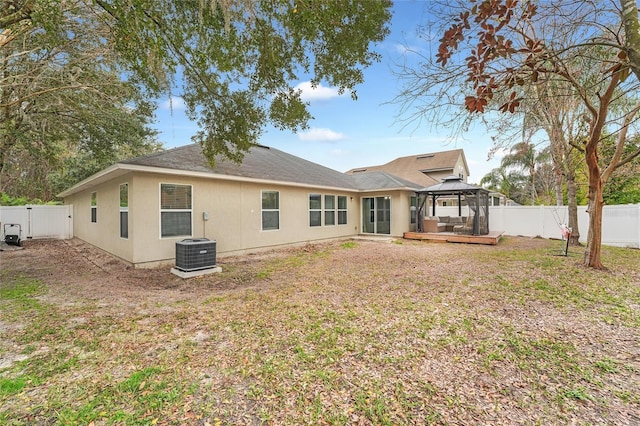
<point x="38" y="221"/>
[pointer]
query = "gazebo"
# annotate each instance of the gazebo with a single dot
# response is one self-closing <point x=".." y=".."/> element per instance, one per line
<point x="477" y="199"/>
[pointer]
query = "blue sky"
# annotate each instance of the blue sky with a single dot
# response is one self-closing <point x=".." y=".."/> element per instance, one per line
<point x="345" y="134"/>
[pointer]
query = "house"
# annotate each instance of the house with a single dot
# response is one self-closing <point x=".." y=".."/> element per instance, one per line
<point x="423" y="169"/>
<point x="138" y="209"/>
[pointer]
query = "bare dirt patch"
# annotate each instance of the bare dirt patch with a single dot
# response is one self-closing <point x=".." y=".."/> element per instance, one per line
<point x="358" y="333"/>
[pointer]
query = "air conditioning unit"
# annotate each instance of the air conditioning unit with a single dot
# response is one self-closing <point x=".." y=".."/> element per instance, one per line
<point x="194" y="254"/>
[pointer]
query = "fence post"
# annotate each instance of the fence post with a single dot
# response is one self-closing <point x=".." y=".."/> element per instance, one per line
<point x="638" y="217"/>
<point x="69" y="221"/>
<point x="29" y="230"/>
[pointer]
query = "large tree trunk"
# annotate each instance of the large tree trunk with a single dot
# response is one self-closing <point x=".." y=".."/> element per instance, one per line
<point x="594" y="240"/>
<point x="532" y="173"/>
<point x="632" y="33"/>
<point x="572" y="202"/>
<point x="596" y="203"/>
<point x="558" y="186"/>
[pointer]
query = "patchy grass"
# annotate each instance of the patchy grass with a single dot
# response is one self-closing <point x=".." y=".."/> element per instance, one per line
<point x="349" y="244"/>
<point x="341" y="333"/>
<point x="19" y="294"/>
<point x="19" y="289"/>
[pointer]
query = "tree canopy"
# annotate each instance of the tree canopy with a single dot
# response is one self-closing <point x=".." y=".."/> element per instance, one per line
<point x="239" y="60"/>
<point x="236" y="64"/>
<point x="62" y="94"/>
<point x="492" y="55"/>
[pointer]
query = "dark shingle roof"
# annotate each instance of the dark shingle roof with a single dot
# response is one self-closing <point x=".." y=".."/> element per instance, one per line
<point x="452" y="185"/>
<point x="381" y="180"/>
<point x="259" y="162"/>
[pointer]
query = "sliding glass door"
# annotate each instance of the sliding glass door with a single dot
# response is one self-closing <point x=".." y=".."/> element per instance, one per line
<point x="376" y="215"/>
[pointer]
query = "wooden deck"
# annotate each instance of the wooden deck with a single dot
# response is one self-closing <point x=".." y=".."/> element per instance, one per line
<point x="449" y="237"/>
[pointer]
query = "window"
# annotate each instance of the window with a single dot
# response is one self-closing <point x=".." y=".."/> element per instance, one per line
<point x="124" y="210"/>
<point x="342" y="209"/>
<point x="329" y="210"/>
<point x="376" y="215"/>
<point x="315" y="210"/>
<point x="94" y="207"/>
<point x="270" y="210"/>
<point x="175" y="210"/>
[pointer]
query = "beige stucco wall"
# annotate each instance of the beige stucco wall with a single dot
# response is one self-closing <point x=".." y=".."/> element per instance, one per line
<point x="400" y="210"/>
<point x="105" y="232"/>
<point x="439" y="176"/>
<point x="235" y="216"/>
<point x="459" y="167"/>
<point x="402" y="222"/>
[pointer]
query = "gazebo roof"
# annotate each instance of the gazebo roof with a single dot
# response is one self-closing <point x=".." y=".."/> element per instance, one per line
<point x="451" y="185"/>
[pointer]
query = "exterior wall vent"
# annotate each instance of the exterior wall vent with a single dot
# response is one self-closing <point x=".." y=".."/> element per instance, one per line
<point x="194" y="254"/>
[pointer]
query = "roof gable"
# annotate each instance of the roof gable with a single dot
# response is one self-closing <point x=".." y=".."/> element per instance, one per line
<point x="416" y="168"/>
<point x="382" y="180"/>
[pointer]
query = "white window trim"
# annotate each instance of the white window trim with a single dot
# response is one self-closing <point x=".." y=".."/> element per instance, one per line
<point x="362" y="219"/>
<point x="92" y="207"/>
<point x="123" y="209"/>
<point x="323" y="210"/>
<point x="338" y="210"/>
<point x="269" y="210"/>
<point x="161" y="210"/>
<point x="315" y="210"/>
<point x="334" y="209"/>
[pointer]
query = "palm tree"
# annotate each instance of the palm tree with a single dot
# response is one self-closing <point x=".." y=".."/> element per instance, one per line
<point x="508" y="183"/>
<point x="524" y="157"/>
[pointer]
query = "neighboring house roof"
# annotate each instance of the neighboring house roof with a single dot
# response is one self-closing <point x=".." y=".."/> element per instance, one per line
<point x="260" y="164"/>
<point x="415" y="168"/>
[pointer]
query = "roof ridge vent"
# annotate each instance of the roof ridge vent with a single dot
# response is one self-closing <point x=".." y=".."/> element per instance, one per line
<point x="420" y="157"/>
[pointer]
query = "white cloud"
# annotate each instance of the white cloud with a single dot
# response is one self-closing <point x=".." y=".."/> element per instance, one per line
<point x="321" y="134"/>
<point x="174" y="103"/>
<point x="320" y="92"/>
<point x="499" y="153"/>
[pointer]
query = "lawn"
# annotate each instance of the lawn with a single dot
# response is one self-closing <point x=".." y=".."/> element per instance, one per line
<point x="356" y="332"/>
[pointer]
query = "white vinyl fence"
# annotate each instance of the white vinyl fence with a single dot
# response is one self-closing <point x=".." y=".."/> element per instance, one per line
<point x="39" y="221"/>
<point x="620" y="223"/>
